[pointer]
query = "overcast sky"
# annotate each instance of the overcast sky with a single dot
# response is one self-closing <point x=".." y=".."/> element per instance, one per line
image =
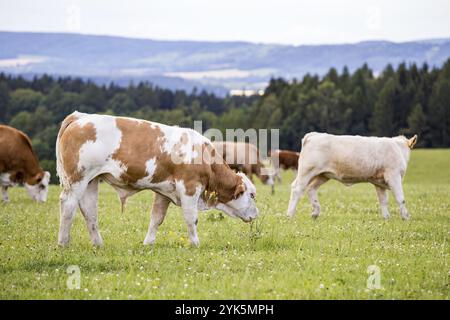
<point x="274" y="21"/>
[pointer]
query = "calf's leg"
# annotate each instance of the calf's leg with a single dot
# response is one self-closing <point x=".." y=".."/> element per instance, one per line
<point x="159" y="210"/>
<point x="383" y="200"/>
<point x="298" y="187"/>
<point x="5" y="193"/>
<point x="395" y="183"/>
<point x="312" y="193"/>
<point x="89" y="208"/>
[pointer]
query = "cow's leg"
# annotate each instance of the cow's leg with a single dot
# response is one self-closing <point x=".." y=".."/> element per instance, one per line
<point x="383" y="200"/>
<point x="190" y="211"/>
<point x="5" y="193"/>
<point x="68" y="206"/>
<point x="278" y="176"/>
<point x="395" y="183"/>
<point x="312" y="193"/>
<point x="298" y="187"/>
<point x="89" y="208"/>
<point x="159" y="210"/>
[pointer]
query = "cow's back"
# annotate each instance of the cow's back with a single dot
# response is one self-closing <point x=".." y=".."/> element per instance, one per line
<point x="238" y="153"/>
<point x="355" y="155"/>
<point x="126" y="149"/>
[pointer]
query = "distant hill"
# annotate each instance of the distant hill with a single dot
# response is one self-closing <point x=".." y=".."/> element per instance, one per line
<point x="214" y="66"/>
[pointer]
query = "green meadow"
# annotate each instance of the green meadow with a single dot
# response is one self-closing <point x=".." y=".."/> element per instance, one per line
<point x="272" y="258"/>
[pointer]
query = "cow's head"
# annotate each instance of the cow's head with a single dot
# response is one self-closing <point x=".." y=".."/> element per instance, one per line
<point x="268" y="178"/>
<point x="241" y="203"/>
<point x="37" y="186"/>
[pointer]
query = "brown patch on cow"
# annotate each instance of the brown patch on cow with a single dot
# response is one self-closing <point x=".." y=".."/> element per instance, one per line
<point x="379" y="174"/>
<point x="71" y="140"/>
<point x="140" y="142"/>
<point x="17" y="156"/>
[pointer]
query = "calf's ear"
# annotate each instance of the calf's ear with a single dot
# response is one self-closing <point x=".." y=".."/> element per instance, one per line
<point x="412" y="142"/>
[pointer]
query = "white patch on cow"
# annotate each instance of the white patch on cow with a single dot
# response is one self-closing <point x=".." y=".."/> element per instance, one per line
<point x="173" y="136"/>
<point x="97" y="154"/>
<point x="5" y="180"/>
<point x="150" y="166"/>
<point x="190" y="209"/>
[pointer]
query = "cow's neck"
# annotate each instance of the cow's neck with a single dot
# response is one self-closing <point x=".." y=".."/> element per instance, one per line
<point x="223" y="180"/>
<point x="31" y="168"/>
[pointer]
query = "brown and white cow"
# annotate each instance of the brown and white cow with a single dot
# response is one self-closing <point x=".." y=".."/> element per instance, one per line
<point x="243" y="156"/>
<point x="19" y="165"/>
<point x="178" y="164"/>
<point x="352" y="159"/>
<point x="283" y="159"/>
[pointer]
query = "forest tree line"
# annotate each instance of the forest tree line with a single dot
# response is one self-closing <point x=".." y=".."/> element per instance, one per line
<point x="408" y="99"/>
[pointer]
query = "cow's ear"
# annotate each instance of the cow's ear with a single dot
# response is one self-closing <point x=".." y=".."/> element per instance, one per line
<point x="240" y="189"/>
<point x="38" y="178"/>
<point x="412" y="142"/>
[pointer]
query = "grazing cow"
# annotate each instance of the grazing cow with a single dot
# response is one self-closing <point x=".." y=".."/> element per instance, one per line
<point x="352" y="159"/>
<point x="243" y="156"/>
<point x="20" y="165"/>
<point x="134" y="155"/>
<point x="284" y="159"/>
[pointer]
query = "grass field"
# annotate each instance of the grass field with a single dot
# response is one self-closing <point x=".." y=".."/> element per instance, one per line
<point x="272" y="258"/>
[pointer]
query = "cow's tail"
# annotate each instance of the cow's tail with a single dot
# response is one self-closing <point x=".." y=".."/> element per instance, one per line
<point x="63" y="179"/>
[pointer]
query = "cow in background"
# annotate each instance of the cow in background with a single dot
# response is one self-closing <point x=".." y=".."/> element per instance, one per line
<point x="352" y="159"/>
<point x="19" y="165"/>
<point x="283" y="159"/>
<point x="245" y="157"/>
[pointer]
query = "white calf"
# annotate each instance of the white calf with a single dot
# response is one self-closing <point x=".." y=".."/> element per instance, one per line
<point x="352" y="159"/>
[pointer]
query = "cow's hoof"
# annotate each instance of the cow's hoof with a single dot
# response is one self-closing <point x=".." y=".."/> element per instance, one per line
<point x="314" y="216"/>
<point x="386" y="217"/>
<point x="149" y="242"/>
<point x="406" y="217"/>
<point x="195" y="243"/>
<point x="97" y="244"/>
<point x="63" y="244"/>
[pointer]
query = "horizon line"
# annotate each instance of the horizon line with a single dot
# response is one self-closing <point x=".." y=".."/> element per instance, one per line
<point x="227" y="41"/>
